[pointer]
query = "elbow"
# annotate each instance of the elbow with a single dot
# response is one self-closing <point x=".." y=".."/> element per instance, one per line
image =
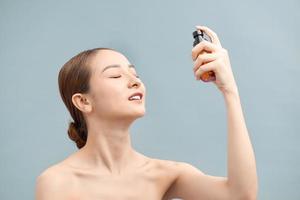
<point x="246" y="194"/>
<point x="247" y="191"/>
<point x="250" y="194"/>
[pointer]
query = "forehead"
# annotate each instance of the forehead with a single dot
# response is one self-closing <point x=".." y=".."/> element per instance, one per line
<point x="104" y="58"/>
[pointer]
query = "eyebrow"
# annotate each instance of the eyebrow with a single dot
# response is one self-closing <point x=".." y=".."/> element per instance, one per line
<point x="116" y="65"/>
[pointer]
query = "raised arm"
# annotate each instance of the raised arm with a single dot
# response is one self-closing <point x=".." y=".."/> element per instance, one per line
<point x="241" y="181"/>
<point x="242" y="176"/>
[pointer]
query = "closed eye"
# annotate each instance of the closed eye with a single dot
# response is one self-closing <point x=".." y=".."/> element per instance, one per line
<point x="116" y="76"/>
<point x="120" y="76"/>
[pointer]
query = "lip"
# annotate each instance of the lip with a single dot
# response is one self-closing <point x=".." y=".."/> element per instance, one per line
<point x="136" y="93"/>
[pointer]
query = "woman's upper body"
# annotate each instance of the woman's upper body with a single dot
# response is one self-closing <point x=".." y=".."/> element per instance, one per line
<point x="147" y="178"/>
<point x="97" y="87"/>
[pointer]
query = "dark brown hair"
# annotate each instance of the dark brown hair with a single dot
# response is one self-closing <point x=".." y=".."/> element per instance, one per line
<point x="74" y="77"/>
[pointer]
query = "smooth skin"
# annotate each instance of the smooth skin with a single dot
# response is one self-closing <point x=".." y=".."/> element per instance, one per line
<point x="108" y="168"/>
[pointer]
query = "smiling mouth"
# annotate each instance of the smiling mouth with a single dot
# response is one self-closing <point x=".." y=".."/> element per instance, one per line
<point x="136" y="97"/>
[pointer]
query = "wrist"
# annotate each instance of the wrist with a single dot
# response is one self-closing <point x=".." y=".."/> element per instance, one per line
<point x="231" y="95"/>
<point x="229" y="89"/>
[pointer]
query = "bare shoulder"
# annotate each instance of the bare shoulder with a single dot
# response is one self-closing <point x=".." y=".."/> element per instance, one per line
<point x="180" y="177"/>
<point x="189" y="182"/>
<point x="175" y="166"/>
<point x="171" y="170"/>
<point x="51" y="183"/>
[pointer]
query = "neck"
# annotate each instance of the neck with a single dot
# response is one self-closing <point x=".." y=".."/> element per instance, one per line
<point x="109" y="145"/>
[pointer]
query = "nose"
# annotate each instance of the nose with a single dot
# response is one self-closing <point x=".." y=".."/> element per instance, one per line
<point x="134" y="82"/>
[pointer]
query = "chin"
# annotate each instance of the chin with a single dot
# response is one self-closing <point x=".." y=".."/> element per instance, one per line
<point x="137" y="113"/>
<point x="130" y="112"/>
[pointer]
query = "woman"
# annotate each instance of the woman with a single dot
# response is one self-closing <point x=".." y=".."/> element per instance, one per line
<point x="104" y="96"/>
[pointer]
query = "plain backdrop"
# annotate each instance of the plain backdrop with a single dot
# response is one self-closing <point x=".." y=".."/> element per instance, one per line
<point x="185" y="119"/>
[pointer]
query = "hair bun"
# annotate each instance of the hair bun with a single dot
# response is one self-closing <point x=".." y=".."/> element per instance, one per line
<point x="76" y="134"/>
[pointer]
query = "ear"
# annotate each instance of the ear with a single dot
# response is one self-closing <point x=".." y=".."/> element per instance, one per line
<point x="82" y="103"/>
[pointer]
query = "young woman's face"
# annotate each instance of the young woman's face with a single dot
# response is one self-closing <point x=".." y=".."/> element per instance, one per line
<point x="112" y="82"/>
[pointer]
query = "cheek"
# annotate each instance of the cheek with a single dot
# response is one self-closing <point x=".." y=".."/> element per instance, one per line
<point x="108" y="97"/>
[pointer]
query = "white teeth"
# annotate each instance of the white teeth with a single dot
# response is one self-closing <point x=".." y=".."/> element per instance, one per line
<point x="135" y="97"/>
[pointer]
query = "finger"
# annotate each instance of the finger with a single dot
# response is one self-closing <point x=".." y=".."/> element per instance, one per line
<point x="204" y="45"/>
<point x="203" y="59"/>
<point x="212" y="34"/>
<point x="211" y="66"/>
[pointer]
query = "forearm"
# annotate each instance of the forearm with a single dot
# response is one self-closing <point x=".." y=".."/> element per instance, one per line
<point x="242" y="176"/>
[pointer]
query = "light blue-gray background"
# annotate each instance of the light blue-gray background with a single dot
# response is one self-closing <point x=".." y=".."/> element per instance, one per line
<point x="185" y="119"/>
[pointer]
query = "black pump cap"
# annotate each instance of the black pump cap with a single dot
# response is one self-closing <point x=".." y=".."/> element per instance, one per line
<point x="197" y="32"/>
<point x="200" y="35"/>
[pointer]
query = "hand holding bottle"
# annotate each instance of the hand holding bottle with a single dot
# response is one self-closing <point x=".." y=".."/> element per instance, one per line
<point x="211" y="57"/>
